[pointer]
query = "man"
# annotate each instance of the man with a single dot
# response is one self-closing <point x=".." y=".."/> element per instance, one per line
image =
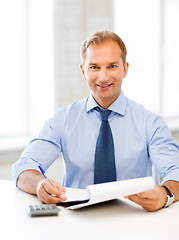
<point x="140" y="137"/>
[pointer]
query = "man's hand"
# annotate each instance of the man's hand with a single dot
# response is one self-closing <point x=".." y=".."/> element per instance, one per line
<point x="48" y="194"/>
<point x="33" y="182"/>
<point x="151" y="200"/>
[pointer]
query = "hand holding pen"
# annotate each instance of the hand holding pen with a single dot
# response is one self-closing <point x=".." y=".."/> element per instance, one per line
<point x="48" y="192"/>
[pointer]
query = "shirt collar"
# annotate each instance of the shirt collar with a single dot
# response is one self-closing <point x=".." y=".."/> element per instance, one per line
<point x="118" y="106"/>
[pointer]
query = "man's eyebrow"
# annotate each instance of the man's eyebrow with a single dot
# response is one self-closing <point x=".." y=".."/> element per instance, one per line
<point x="116" y="62"/>
<point x="92" y="63"/>
<point x="110" y="63"/>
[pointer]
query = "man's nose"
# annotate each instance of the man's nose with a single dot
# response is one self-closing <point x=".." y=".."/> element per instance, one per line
<point x="103" y="75"/>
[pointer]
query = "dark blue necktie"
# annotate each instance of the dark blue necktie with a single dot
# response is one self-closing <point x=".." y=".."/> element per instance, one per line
<point x="104" y="167"/>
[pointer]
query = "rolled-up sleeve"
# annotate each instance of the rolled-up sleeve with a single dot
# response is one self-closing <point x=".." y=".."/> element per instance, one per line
<point x="164" y="151"/>
<point x="43" y="150"/>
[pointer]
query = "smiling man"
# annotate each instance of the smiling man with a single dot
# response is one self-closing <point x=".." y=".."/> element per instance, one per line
<point x="104" y="69"/>
<point x="104" y="137"/>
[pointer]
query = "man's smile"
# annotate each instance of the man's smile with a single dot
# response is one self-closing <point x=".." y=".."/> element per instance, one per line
<point x="106" y="86"/>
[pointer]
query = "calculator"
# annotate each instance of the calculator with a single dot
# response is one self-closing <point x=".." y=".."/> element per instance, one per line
<point x="42" y="210"/>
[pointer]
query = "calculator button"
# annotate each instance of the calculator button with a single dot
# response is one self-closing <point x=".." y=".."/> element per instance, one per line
<point x="37" y="207"/>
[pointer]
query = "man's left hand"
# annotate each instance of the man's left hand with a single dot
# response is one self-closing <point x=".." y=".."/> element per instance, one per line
<point x="151" y="200"/>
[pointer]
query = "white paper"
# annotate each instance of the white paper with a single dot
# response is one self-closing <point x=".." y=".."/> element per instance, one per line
<point x="76" y="194"/>
<point x="107" y="191"/>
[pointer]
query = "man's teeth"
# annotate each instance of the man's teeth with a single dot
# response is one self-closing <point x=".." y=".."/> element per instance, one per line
<point x="103" y="86"/>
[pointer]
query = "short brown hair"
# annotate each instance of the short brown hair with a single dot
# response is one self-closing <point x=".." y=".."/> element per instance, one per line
<point x="100" y="37"/>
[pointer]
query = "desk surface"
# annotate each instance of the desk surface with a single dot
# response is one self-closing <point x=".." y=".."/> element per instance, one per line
<point x="118" y="219"/>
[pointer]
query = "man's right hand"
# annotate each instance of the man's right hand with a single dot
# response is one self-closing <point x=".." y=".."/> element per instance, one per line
<point x="48" y="194"/>
<point x="33" y="182"/>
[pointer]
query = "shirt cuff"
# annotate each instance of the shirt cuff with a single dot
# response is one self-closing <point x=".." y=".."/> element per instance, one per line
<point x="22" y="165"/>
<point x="171" y="176"/>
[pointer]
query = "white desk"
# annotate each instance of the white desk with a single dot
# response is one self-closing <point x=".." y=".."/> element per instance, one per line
<point x="119" y="219"/>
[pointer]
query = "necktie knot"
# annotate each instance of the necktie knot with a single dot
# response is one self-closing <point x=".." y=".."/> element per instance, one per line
<point x="104" y="114"/>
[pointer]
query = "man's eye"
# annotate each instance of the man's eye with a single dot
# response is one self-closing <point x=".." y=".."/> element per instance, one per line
<point x="94" y="67"/>
<point x="112" y="66"/>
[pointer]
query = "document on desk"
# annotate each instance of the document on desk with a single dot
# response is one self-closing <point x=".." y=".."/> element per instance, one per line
<point x="78" y="198"/>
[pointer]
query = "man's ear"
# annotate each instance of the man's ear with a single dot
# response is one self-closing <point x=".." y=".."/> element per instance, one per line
<point x="126" y="66"/>
<point x="82" y="71"/>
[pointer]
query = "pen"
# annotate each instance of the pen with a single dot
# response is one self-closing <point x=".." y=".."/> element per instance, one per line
<point x="43" y="173"/>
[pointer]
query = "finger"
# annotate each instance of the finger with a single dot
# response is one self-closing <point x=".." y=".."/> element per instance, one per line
<point x="143" y="202"/>
<point x="59" y="187"/>
<point x="135" y="198"/>
<point x="150" y="194"/>
<point x="138" y="200"/>
<point x="52" y="191"/>
<point x="49" y="199"/>
<point x="47" y="194"/>
<point x="45" y="197"/>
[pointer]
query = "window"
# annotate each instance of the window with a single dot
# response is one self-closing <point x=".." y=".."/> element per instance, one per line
<point x="26" y="60"/>
<point x="13" y="66"/>
<point x="150" y="30"/>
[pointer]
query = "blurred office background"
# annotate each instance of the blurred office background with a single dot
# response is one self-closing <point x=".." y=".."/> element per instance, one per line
<point x="40" y="58"/>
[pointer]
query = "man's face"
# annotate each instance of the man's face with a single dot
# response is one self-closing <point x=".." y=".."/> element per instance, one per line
<point x="103" y="70"/>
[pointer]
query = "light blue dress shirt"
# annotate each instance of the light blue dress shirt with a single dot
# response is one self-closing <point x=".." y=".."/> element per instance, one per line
<point x="141" y="139"/>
